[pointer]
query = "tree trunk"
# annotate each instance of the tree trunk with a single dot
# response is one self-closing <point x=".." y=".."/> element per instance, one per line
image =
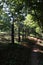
<point x="19" y="34"/>
<point x="12" y="34"/>
<point x="23" y="35"/>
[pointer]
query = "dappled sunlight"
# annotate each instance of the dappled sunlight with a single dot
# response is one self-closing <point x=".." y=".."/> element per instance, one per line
<point x="5" y="37"/>
<point x="37" y="50"/>
<point x="21" y="32"/>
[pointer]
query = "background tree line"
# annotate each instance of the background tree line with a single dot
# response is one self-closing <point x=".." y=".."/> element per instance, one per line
<point x="25" y="15"/>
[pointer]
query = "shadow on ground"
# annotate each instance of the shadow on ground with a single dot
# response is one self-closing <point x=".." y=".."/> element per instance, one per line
<point x="16" y="55"/>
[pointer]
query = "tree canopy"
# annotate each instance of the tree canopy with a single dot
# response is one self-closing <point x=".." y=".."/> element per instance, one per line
<point x="29" y="11"/>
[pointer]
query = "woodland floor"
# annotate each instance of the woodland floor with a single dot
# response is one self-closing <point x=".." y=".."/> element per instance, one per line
<point x="16" y="55"/>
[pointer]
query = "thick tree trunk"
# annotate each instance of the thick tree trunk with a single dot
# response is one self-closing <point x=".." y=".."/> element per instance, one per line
<point x="12" y="34"/>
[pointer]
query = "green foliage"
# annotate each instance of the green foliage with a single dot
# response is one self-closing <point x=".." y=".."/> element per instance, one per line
<point x="19" y="9"/>
<point x="5" y="22"/>
<point x="32" y="25"/>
